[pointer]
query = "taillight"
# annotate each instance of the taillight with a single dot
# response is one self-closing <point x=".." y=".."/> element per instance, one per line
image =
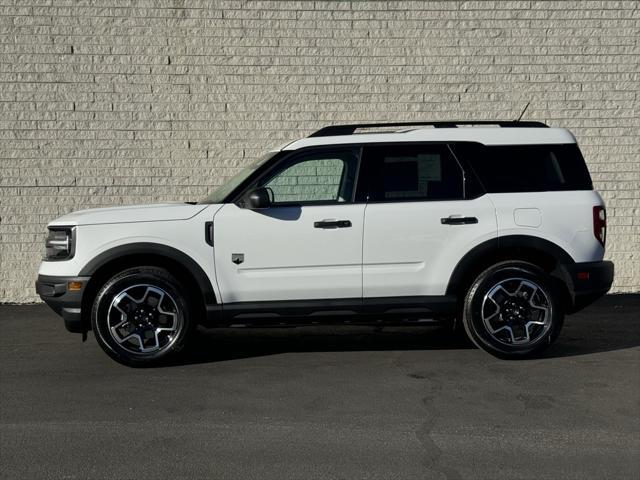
<point x="600" y="224"/>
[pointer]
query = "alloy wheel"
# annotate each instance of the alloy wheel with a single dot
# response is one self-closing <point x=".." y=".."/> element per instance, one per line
<point x="144" y="319"/>
<point x="517" y="311"/>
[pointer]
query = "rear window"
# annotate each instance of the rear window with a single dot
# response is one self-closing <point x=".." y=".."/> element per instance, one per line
<point x="527" y="168"/>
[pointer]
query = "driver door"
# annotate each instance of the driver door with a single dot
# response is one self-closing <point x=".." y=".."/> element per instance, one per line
<point x="307" y="245"/>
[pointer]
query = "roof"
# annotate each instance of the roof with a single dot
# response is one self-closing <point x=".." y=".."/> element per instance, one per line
<point x="480" y="134"/>
<point x="350" y="129"/>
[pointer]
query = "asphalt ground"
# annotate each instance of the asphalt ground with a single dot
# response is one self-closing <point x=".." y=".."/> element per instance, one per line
<point x="307" y="403"/>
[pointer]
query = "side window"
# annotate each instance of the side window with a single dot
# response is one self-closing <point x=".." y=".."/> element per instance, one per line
<point x="528" y="168"/>
<point x="412" y="172"/>
<point x="315" y="177"/>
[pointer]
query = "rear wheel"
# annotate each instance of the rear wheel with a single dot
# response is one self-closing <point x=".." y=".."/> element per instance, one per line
<point x="141" y="316"/>
<point x="512" y="310"/>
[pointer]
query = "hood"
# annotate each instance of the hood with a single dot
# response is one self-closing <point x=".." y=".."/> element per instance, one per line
<point x="137" y="213"/>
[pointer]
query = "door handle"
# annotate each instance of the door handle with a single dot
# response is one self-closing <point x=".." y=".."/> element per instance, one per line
<point x="208" y="233"/>
<point x="453" y="220"/>
<point x="332" y="224"/>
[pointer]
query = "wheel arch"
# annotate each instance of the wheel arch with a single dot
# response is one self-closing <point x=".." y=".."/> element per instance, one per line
<point x="536" y="250"/>
<point x="116" y="259"/>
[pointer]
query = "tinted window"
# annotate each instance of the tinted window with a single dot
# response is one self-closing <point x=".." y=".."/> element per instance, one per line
<point x="527" y="168"/>
<point x="314" y="177"/>
<point x="412" y="172"/>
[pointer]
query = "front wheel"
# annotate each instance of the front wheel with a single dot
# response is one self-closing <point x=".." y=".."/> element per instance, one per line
<point x="512" y="310"/>
<point x="141" y="316"/>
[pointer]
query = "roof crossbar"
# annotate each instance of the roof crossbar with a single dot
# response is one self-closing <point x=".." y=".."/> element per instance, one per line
<point x="333" y="130"/>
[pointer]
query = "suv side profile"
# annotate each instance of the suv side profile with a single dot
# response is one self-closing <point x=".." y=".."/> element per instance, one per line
<point x="492" y="225"/>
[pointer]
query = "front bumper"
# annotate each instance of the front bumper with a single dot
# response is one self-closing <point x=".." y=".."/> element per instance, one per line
<point x="587" y="282"/>
<point x="53" y="290"/>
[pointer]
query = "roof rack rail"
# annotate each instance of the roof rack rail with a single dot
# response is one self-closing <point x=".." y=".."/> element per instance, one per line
<point x="333" y="130"/>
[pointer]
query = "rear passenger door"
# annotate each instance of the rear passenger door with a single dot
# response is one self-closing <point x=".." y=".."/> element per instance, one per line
<point x="422" y="216"/>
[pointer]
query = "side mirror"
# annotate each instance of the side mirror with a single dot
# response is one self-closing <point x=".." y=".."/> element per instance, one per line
<point x="260" y="198"/>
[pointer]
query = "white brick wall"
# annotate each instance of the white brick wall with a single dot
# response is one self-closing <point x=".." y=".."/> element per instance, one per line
<point x="105" y="103"/>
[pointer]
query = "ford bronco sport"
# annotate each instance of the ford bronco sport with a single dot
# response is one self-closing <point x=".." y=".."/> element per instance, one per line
<point x="494" y="225"/>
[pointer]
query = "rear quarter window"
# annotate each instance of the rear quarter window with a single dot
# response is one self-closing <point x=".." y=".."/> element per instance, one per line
<point x="527" y="168"/>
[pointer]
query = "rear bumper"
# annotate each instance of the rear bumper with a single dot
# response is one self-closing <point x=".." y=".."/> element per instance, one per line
<point x="54" y="292"/>
<point x="587" y="282"/>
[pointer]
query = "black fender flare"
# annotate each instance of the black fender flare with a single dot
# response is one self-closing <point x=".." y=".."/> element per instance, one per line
<point x="495" y="245"/>
<point x="157" y="249"/>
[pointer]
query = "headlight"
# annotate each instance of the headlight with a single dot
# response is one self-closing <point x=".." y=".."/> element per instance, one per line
<point x="60" y="243"/>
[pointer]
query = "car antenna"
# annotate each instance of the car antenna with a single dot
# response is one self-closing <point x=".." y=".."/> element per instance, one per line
<point x="524" y="110"/>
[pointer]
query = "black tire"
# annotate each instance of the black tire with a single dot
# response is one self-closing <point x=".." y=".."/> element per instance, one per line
<point x="494" y="303"/>
<point x="154" y="310"/>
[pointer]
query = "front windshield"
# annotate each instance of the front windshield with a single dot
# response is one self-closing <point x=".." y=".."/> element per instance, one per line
<point x="222" y="191"/>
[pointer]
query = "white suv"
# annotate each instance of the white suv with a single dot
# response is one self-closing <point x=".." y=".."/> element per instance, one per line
<point x="496" y="226"/>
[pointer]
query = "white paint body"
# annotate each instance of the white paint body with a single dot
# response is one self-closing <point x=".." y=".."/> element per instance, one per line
<point x="408" y="251"/>
<point x="285" y="257"/>
<point x="182" y="228"/>
<point x="391" y="249"/>
<point x="565" y="219"/>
